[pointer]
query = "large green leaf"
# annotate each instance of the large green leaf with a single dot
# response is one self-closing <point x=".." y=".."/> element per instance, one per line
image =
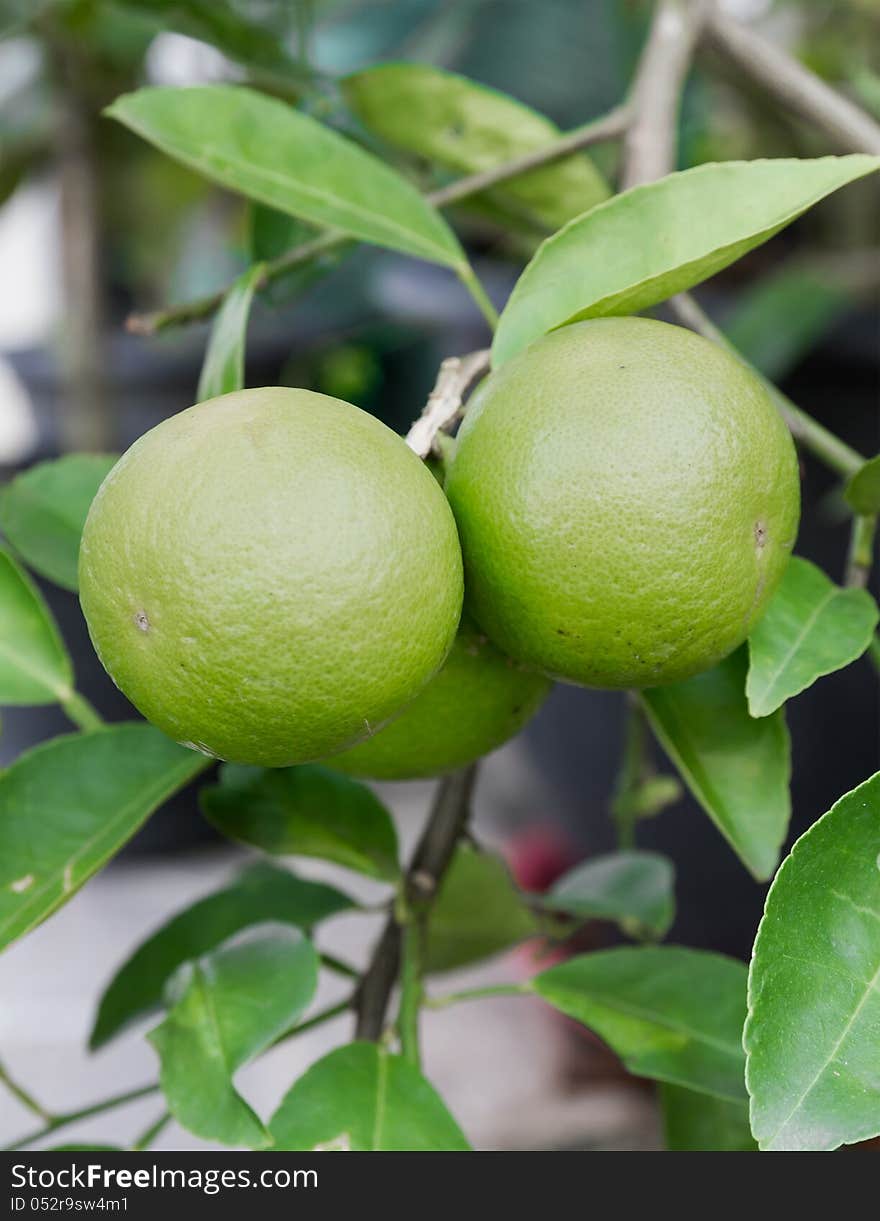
<point x="669" y="1013"/>
<point x="67" y="806"/>
<point x="863" y="490"/>
<point x="697" y="1123"/>
<point x="34" y="665"/>
<point x="810" y="628"/>
<point x="305" y="811"/>
<point x="466" y="127"/>
<point x="635" y="889"/>
<point x="478" y="912"/>
<point x="224" y="1009"/>
<point x="264" y="149"/>
<point x="223" y="366"/>
<point x="361" y="1097"/>
<point x="813" y="1033"/>
<point x="737" y="767"/>
<point x="262" y="892"/>
<point x="653" y="241"/>
<point x="43" y="511"/>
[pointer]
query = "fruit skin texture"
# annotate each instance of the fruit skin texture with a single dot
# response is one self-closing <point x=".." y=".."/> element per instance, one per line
<point x="627" y="498"/>
<point x="477" y="700"/>
<point x="270" y="575"/>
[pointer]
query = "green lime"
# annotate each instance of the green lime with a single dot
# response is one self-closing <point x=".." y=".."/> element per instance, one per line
<point x="477" y="701"/>
<point x="627" y="497"/>
<point x="270" y="575"/>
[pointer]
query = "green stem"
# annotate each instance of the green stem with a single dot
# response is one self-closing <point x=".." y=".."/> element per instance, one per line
<point x="874" y="652"/>
<point x="96" y="1108"/>
<point x="469" y="279"/>
<point x="338" y="967"/>
<point x="635" y="767"/>
<point x="26" y="1099"/>
<point x="322" y="1016"/>
<point x="147" y="1137"/>
<point x="78" y="709"/>
<point x="411" y="991"/>
<point x="861" y="551"/>
<point x="476" y="994"/>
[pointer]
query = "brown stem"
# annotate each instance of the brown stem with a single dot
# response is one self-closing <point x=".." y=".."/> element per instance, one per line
<point x="430" y="861"/>
<point x="456" y="375"/>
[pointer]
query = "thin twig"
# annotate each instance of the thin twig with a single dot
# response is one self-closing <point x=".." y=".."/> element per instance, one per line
<point x="96" y="1108"/>
<point x="476" y="994"/>
<point x="607" y="127"/>
<point x="26" y="1099"/>
<point x="431" y="858"/>
<point x="649" y="148"/>
<point x="149" y="1135"/>
<point x="792" y="85"/>
<point x="456" y="375"/>
<point x="861" y="551"/>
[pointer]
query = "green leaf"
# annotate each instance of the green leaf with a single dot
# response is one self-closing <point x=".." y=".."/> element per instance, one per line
<point x="694" y="1123"/>
<point x="635" y="889"/>
<point x="263" y="892"/>
<point x="478" y="912"/>
<point x="863" y="490"/>
<point x="264" y="149"/>
<point x="69" y="805"/>
<point x="43" y="511"/>
<point x="466" y="127"/>
<point x="653" y="241"/>
<point x="736" y="767"/>
<point x="361" y="1097"/>
<point x="810" y="628"/>
<point x="223" y="367"/>
<point x="305" y="811"/>
<point x="811" y="1038"/>
<point x="224" y="1009"/>
<point x="669" y="1013"/>
<point x="34" y="665"/>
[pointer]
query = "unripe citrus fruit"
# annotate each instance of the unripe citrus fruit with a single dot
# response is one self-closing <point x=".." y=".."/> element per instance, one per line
<point x="270" y="575"/>
<point x="477" y="700"/>
<point x="627" y="497"/>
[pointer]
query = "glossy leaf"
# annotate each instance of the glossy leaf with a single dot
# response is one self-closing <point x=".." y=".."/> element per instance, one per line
<point x="43" y="511"/>
<point x="863" y="490"/>
<point x="653" y="241"/>
<point x="69" y="805"/>
<point x="635" y="889"/>
<point x="305" y="811"/>
<point x="736" y="767"/>
<point x="361" y="1097"/>
<point x="669" y="1013"/>
<point x="262" y="892"/>
<point x="813" y="1029"/>
<point x="466" y="127"/>
<point x="264" y="149"/>
<point x="696" y="1123"/>
<point x="224" y="1009"/>
<point x="223" y="366"/>
<point x="478" y="912"/>
<point x="810" y="628"/>
<point x="34" y="665"/>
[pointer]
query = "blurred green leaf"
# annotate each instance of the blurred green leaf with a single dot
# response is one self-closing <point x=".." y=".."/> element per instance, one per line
<point x="43" y="511"/>
<point x="223" y="366"/>
<point x="635" y="889"/>
<point x="669" y="1013"/>
<point x="466" y="127"/>
<point x="811" y="627"/>
<point x="653" y="241"/>
<point x="695" y="1123"/>
<point x="814" y="988"/>
<point x="271" y="234"/>
<point x="361" y="1097"/>
<point x="863" y="490"/>
<point x="224" y="1009"/>
<point x="270" y="152"/>
<point x="478" y="912"/>
<point x="34" y="665"/>
<point x="261" y="893"/>
<point x="69" y="805"/>
<point x="305" y="811"/>
<point x="736" y="767"/>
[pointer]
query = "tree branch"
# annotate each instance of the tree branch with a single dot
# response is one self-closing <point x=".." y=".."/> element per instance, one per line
<point x="430" y="861"/>
<point x="792" y="85"/>
<point x="456" y="375"/>
<point x="608" y="127"/>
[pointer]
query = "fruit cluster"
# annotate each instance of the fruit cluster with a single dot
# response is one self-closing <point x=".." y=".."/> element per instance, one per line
<point x="273" y="577"/>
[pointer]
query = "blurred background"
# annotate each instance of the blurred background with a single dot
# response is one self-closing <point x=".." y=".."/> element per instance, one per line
<point x="95" y="224"/>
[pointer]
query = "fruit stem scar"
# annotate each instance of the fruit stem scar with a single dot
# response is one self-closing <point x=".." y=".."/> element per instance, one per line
<point x="142" y="621"/>
<point x="760" y="534"/>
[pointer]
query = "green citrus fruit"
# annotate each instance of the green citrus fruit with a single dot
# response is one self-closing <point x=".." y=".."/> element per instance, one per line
<point x="627" y="497"/>
<point x="477" y="700"/>
<point x="270" y="575"/>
